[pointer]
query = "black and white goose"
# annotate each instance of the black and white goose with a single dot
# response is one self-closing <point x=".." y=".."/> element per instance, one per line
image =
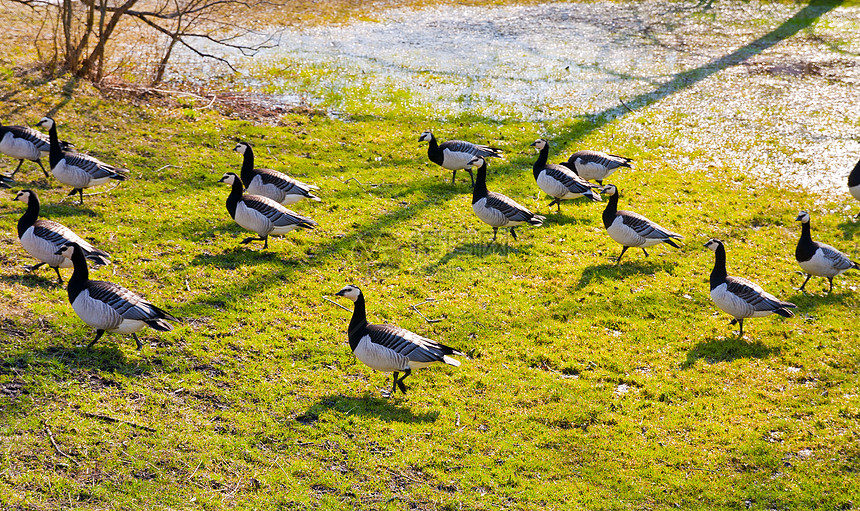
<point x="24" y="143"/>
<point x="854" y="182"/>
<point x="596" y="165"/>
<point x="456" y="154"/>
<point x="109" y="307"/>
<point x="497" y="210"/>
<point x="389" y="348"/>
<point x="819" y="259"/>
<point x="275" y="185"/>
<point x="632" y="229"/>
<point x="261" y="214"/>
<point x="42" y="238"/>
<point x="558" y="181"/>
<point x="76" y="169"/>
<point x="740" y="297"/>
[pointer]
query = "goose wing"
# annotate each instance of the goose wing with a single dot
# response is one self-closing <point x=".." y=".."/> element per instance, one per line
<point x="644" y="227"/>
<point x="754" y="295"/>
<point x="39" y="140"/>
<point x="409" y="344"/>
<point x="275" y="213"/>
<point x="508" y="207"/>
<point x="284" y="182"/>
<point x="459" y="146"/>
<point x="837" y="259"/>
<point x="127" y="304"/>
<point x="58" y="235"/>
<point x="568" y="178"/>
<point x="597" y="158"/>
<point x="93" y="166"/>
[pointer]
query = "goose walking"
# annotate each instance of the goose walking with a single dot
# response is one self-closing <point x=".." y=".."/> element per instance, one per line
<point x="76" y="169"/>
<point x="596" y="165"/>
<point x="275" y="185"/>
<point x="740" y="297"/>
<point x="456" y="154"/>
<point x="24" y="143"/>
<point x="819" y="259"/>
<point x="632" y="229"/>
<point x="558" y="181"/>
<point x="260" y="214"/>
<point x="42" y="238"/>
<point x="497" y="210"/>
<point x="108" y="307"/>
<point x="854" y="182"/>
<point x="389" y="348"/>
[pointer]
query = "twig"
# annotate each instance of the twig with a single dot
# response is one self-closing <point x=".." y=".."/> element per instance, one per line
<point x="111" y="419"/>
<point x="625" y="105"/>
<point x="334" y="302"/>
<point x="195" y="471"/>
<point x="214" y="97"/>
<point x="360" y="184"/>
<point x="166" y="167"/>
<point x="94" y="193"/>
<point x="415" y="308"/>
<point x="57" y="447"/>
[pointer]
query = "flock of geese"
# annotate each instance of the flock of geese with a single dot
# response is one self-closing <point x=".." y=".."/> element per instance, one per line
<point x="257" y="201"/>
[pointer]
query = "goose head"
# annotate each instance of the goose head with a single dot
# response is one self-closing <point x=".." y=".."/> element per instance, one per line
<point x="229" y="178"/>
<point x="241" y="147"/>
<point x="426" y="136"/>
<point x="713" y="244"/>
<point x="351" y="292"/>
<point x="609" y="190"/>
<point x="67" y="250"/>
<point x="803" y="217"/>
<point x="46" y="122"/>
<point x="477" y="161"/>
<point x="24" y="196"/>
<point x="539" y="144"/>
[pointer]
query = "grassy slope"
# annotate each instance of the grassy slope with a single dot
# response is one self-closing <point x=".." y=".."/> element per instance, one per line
<point x="257" y="400"/>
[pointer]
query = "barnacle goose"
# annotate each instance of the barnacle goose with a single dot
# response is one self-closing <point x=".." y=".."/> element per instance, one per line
<point x="740" y="297"/>
<point x="24" y="143"/>
<point x="819" y="259"/>
<point x="854" y="182"/>
<point x="498" y="210"/>
<point x="260" y="214"/>
<point x="456" y="154"/>
<point x="275" y="185"/>
<point x="595" y="165"/>
<point x="42" y="238"/>
<point x="390" y="348"/>
<point x="76" y="169"/>
<point x="558" y="181"/>
<point x="632" y="229"/>
<point x="108" y="307"/>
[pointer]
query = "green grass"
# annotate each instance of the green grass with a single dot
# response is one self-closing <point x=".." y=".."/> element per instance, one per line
<point x="587" y="384"/>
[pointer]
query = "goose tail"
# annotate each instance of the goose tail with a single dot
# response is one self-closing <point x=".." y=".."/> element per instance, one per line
<point x="452" y="361"/>
<point x="537" y="220"/>
<point x="99" y="257"/>
<point x="783" y="311"/>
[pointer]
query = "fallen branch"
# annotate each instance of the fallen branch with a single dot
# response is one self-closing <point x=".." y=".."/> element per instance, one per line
<point x="334" y="302"/>
<point x="415" y="308"/>
<point x="112" y="419"/>
<point x="57" y="447"/>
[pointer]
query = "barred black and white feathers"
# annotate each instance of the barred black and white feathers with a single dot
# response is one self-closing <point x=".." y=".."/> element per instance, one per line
<point x="457" y="154"/>
<point x="596" y="165"/>
<point x="740" y="297"/>
<point x="43" y="238"/>
<point x="75" y="169"/>
<point x="269" y="183"/>
<point x="497" y="210"/>
<point x="389" y="348"/>
<point x="260" y="214"/>
<point x="109" y="307"/>
<point x="854" y="182"/>
<point x="632" y="229"/>
<point x="24" y="143"/>
<point x="558" y="181"/>
<point x="819" y="259"/>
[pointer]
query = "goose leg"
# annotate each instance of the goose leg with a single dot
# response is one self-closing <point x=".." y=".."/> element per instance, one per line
<point x="454" y="176"/>
<point x="99" y="334"/>
<point x="43" y="169"/>
<point x="79" y="191"/>
<point x="513" y="233"/>
<point x="400" y="381"/>
<point x="33" y="267"/>
<point x="622" y="254"/>
<point x="808" y="276"/>
<point x="139" y="344"/>
<point x="20" y="162"/>
<point x="252" y="238"/>
<point x="394" y="384"/>
<point x="831" y="285"/>
<point x="471" y="176"/>
<point x="59" y="277"/>
<point x="646" y="252"/>
<point x="495" y="232"/>
<point x="599" y="181"/>
<point x="741" y="323"/>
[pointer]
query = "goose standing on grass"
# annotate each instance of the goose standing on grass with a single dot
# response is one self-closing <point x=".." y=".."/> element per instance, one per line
<point x="108" y="307"/>
<point x="275" y="185"/>
<point x="76" y="169"/>
<point x="24" y="143"/>
<point x="632" y="229"/>
<point x="819" y="259"/>
<point x="740" y="297"/>
<point x="595" y="165"/>
<point x="42" y="238"/>
<point x="260" y="214"/>
<point x="390" y="348"/>
<point x="854" y="182"/>
<point x="497" y="210"/>
<point x="558" y="181"/>
<point x="456" y="154"/>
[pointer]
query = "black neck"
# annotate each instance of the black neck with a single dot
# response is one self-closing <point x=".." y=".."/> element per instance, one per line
<point x="29" y="218"/>
<point x="543" y="155"/>
<point x="80" y="275"/>
<point x="56" y="153"/>
<point x="719" y="273"/>
<point x="235" y="196"/>
<point x="357" y="324"/>
<point x="480" y="190"/>
<point x="805" y="247"/>
<point x="433" y="151"/>
<point x="854" y="177"/>
<point x="248" y="165"/>
<point x="611" y="209"/>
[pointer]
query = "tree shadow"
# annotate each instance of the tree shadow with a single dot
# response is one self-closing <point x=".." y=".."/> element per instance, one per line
<point x="365" y="406"/>
<point x="620" y="271"/>
<point x="726" y="349"/>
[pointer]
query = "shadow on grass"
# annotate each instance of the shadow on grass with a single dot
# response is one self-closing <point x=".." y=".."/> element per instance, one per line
<point x="365" y="406"/>
<point x="850" y="228"/>
<point x="107" y="357"/>
<point x="726" y="349"/>
<point x="480" y="249"/>
<point x="241" y="255"/>
<point x="38" y="278"/>
<point x="614" y="271"/>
